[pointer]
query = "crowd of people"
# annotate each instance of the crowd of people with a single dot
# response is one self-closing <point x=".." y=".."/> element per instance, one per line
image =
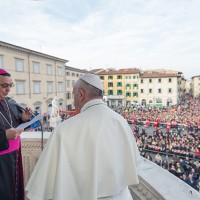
<point x="171" y="132"/>
<point x="186" y="169"/>
<point x="169" y="136"/>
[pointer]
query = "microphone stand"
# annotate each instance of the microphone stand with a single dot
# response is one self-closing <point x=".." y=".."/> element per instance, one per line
<point x="42" y="134"/>
<point x="42" y="137"/>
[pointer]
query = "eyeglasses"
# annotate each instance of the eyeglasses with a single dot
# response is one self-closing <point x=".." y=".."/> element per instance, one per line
<point x="6" y="85"/>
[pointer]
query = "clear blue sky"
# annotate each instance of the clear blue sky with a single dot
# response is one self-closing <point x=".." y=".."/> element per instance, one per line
<point x="147" y="34"/>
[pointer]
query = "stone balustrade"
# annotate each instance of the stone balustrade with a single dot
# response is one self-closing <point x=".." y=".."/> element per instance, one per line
<point x="155" y="182"/>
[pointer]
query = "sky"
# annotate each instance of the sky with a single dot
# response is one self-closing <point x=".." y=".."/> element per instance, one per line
<point x="91" y="34"/>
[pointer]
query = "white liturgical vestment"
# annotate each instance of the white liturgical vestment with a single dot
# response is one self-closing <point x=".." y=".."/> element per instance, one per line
<point x="88" y="156"/>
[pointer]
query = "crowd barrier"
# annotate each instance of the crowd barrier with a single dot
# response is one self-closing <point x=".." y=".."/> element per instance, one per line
<point x="171" y="154"/>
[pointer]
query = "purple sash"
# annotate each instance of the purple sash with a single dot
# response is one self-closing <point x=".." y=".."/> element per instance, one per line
<point x="13" y="146"/>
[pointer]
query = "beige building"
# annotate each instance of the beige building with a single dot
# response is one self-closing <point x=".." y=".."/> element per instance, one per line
<point x="188" y="87"/>
<point x="72" y="74"/>
<point x="38" y="77"/>
<point x="160" y="87"/>
<point x="196" y="86"/>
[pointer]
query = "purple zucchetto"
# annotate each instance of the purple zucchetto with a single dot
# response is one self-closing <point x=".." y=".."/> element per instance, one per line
<point x="3" y="71"/>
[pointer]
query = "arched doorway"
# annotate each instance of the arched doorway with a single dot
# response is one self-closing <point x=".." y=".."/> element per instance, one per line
<point x="37" y="106"/>
<point x="49" y="106"/>
<point x="169" y="102"/>
<point x="143" y="102"/>
<point x="158" y="102"/>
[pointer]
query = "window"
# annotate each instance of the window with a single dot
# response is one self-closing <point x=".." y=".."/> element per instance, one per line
<point x="60" y="86"/>
<point x="36" y="67"/>
<point x="119" y="92"/>
<point x="128" y="94"/>
<point x="1" y="61"/>
<point x="77" y="75"/>
<point x="68" y="83"/>
<point x="135" y="86"/>
<point x="142" y="90"/>
<point x="36" y="87"/>
<point x="110" y="84"/>
<point x="141" y="80"/>
<point x="119" y="76"/>
<point x="159" y="90"/>
<point x="20" y="87"/>
<point x="150" y="80"/>
<point x="19" y="65"/>
<point x="73" y="74"/>
<point x="158" y="100"/>
<point x="170" y="90"/>
<point x="110" y="77"/>
<point x="119" y="84"/>
<point x="128" y="86"/>
<point x="49" y="69"/>
<point x="120" y="103"/>
<point x="49" y="87"/>
<point x="135" y="94"/>
<point x="128" y="103"/>
<point x="159" y="80"/>
<point x="38" y="109"/>
<point x="110" y="92"/>
<point x="68" y="73"/>
<point x="170" y="80"/>
<point x="59" y="71"/>
<point x="150" y="90"/>
<point x="68" y="95"/>
<point x="101" y="77"/>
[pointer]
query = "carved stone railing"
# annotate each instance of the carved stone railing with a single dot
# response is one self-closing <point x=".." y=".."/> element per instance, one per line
<point x="155" y="182"/>
<point x="31" y="143"/>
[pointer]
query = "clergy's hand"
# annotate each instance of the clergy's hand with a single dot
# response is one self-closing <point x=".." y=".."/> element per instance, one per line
<point x="26" y="115"/>
<point x="13" y="133"/>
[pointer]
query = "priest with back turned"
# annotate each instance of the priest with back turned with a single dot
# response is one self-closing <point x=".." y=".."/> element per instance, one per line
<point x="92" y="155"/>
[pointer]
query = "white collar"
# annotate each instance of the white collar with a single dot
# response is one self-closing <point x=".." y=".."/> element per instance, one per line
<point x="91" y="103"/>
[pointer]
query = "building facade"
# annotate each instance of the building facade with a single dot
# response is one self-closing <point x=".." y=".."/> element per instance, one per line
<point x="38" y="77"/>
<point x="120" y="86"/>
<point x="125" y="87"/>
<point x="160" y="88"/>
<point x="196" y="86"/>
<point x="72" y="75"/>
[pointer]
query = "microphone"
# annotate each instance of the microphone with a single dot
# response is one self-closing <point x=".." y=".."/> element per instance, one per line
<point x="13" y="102"/>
